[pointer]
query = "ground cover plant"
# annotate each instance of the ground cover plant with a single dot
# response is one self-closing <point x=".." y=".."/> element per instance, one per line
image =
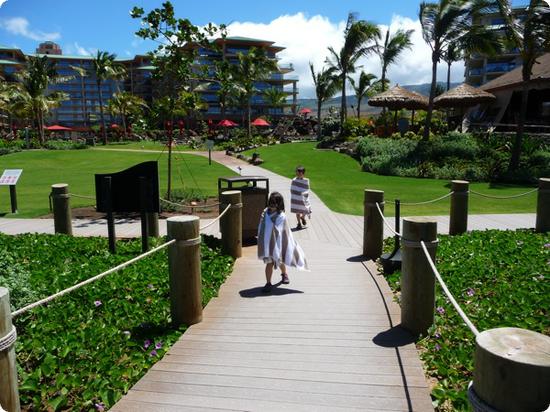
<point x="43" y="168"/>
<point x="340" y="183"/>
<point x="87" y="348"/>
<point x="500" y="279"/>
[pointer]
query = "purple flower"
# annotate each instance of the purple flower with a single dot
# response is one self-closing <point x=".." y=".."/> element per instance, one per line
<point x="437" y="346"/>
<point x="150" y="286"/>
<point x="146" y="344"/>
<point x="470" y="292"/>
<point x="100" y="406"/>
<point x="437" y="335"/>
<point x="547" y="245"/>
<point x="158" y="345"/>
<point x="97" y="303"/>
<point x="440" y="310"/>
<point x="153" y="353"/>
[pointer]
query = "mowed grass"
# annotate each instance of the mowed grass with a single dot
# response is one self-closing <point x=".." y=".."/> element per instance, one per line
<point x="142" y="145"/>
<point x="43" y="168"/>
<point x="339" y="181"/>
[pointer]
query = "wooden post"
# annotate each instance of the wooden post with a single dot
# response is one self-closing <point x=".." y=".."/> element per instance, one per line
<point x="373" y="226"/>
<point x="185" y="270"/>
<point x="511" y="371"/>
<point x="61" y="209"/>
<point x="417" y="278"/>
<point x="13" y="199"/>
<point x="543" y="206"/>
<point x="142" y="206"/>
<point x="9" y="395"/>
<point x="153" y="224"/>
<point x="459" y="207"/>
<point x="110" y="217"/>
<point x="231" y="223"/>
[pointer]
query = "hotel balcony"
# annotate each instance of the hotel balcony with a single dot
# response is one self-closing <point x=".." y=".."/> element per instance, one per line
<point x="499" y="67"/>
<point x="475" y="72"/>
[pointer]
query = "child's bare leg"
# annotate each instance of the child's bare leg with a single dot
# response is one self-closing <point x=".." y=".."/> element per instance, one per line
<point x="284" y="275"/>
<point x="283" y="268"/>
<point x="268" y="272"/>
<point x="298" y="219"/>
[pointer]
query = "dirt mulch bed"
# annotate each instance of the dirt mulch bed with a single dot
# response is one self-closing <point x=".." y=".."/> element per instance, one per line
<point x="210" y="211"/>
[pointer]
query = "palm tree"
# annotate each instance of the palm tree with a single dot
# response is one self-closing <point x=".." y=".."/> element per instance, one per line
<point x="252" y="67"/>
<point x="358" y="36"/>
<point x="446" y="22"/>
<point x="104" y="68"/>
<point x="274" y="97"/>
<point x="362" y="88"/>
<point x="326" y="86"/>
<point x="389" y="51"/>
<point x="531" y="36"/>
<point x="125" y="104"/>
<point x="34" y="100"/>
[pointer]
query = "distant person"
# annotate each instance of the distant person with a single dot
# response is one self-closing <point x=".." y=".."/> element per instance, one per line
<point x="299" y="197"/>
<point x="276" y="245"/>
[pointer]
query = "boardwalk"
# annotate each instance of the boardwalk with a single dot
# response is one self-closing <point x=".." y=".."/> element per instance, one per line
<point x="326" y="342"/>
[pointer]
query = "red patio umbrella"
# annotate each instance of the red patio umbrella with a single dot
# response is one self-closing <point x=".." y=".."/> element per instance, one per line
<point x="227" y="123"/>
<point x="114" y="126"/>
<point x="57" y="127"/>
<point x="305" y="110"/>
<point x="260" y="122"/>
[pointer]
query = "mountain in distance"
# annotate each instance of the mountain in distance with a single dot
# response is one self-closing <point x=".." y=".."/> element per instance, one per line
<point x="351" y="100"/>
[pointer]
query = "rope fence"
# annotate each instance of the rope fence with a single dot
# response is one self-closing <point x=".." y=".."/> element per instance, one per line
<point x="218" y="218"/>
<point x="423" y="203"/>
<point x="385" y="221"/>
<point x="504" y="197"/>
<point x="449" y="295"/>
<point x="188" y="206"/>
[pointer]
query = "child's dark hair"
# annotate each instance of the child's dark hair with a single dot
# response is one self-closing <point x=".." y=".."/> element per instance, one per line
<point x="276" y="200"/>
<point x="300" y="168"/>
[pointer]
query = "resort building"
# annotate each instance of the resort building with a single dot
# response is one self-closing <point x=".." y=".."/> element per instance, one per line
<point x="81" y="110"/>
<point x="228" y="49"/>
<point x="480" y="69"/>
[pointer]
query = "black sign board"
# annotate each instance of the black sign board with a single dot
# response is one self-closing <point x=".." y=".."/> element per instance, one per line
<point x="125" y="189"/>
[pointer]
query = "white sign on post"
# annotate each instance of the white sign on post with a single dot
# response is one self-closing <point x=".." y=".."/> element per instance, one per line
<point x="10" y="177"/>
<point x="210" y="144"/>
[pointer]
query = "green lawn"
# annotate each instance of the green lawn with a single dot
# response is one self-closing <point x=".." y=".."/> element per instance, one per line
<point x="339" y="181"/>
<point x="41" y="169"/>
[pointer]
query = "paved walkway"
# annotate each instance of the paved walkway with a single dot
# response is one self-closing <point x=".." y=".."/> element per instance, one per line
<point x="329" y="341"/>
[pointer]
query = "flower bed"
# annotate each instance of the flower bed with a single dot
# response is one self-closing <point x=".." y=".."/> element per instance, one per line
<point x="87" y="348"/>
<point x="500" y="279"/>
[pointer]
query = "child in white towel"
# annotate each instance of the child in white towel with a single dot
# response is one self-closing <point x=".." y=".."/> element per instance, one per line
<point x="299" y="197"/>
<point x="276" y="245"/>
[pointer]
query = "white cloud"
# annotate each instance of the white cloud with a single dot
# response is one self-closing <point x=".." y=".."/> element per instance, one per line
<point x="75" y="48"/>
<point x="20" y="26"/>
<point x="307" y="38"/>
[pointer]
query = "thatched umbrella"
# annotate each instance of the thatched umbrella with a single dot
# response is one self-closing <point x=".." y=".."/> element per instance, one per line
<point x="461" y="97"/>
<point x="399" y="98"/>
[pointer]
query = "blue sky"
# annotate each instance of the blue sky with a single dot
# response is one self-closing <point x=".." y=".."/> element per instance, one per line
<point x="306" y="28"/>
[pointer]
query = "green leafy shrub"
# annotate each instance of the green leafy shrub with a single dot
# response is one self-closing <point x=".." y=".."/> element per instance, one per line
<point x="86" y="349"/>
<point x="64" y="145"/>
<point x="500" y="279"/>
<point x="354" y="127"/>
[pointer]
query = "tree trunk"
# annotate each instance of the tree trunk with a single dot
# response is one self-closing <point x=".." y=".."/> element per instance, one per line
<point x="319" y="132"/>
<point x="343" y="110"/>
<point x="124" y="125"/>
<point x="248" y="111"/>
<point x="449" y="75"/>
<point x="358" y="107"/>
<point x="103" y="129"/>
<point x="516" y="149"/>
<point x="428" y="122"/>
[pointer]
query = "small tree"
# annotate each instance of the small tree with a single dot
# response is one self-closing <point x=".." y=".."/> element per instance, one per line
<point x="362" y="88"/>
<point x="326" y="86"/>
<point x="393" y="46"/>
<point x="126" y="105"/>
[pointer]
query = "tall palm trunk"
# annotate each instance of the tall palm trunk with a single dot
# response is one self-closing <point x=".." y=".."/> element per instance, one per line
<point x="343" y="111"/>
<point x="428" y="122"/>
<point x="516" y="149"/>
<point x="248" y="113"/>
<point x="103" y="129"/>
<point x="449" y="75"/>
<point x="319" y="132"/>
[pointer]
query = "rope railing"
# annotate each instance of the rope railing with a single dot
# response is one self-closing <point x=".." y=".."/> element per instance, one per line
<point x="82" y="196"/>
<point x="503" y="197"/>
<point x="385" y="221"/>
<point x="90" y="280"/>
<point x="424" y="203"/>
<point x="218" y="218"/>
<point x="449" y="295"/>
<point x="48" y="299"/>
